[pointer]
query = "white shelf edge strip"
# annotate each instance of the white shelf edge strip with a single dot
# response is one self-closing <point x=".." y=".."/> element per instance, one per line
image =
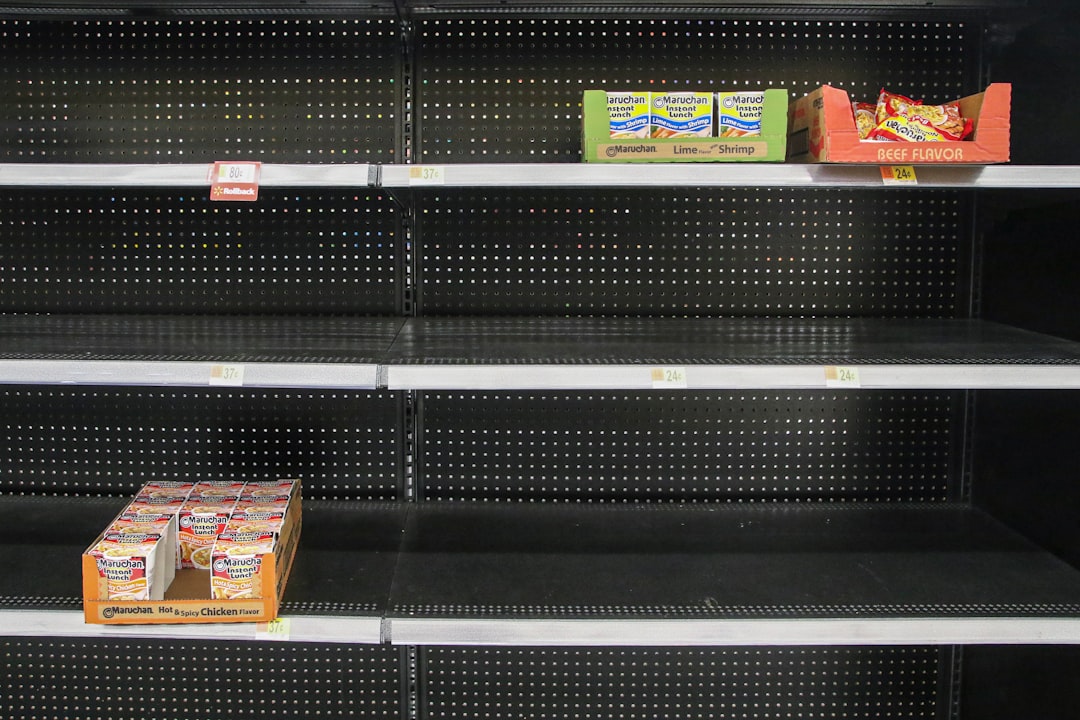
<point x="542" y="175"/>
<point x="175" y="175"/>
<point x="188" y="374"/>
<point x="723" y="175"/>
<point x="723" y="377"/>
<point x="915" y="631"/>
<point x="302" y="628"/>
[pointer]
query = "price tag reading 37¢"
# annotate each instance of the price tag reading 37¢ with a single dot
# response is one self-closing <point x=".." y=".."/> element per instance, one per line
<point x="227" y="375"/>
<point x="426" y="175"/>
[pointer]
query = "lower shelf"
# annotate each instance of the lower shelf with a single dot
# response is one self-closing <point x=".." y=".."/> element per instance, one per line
<point x="629" y="575"/>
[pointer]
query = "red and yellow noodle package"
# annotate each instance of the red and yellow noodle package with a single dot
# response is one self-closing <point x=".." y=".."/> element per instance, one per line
<point x="899" y="118"/>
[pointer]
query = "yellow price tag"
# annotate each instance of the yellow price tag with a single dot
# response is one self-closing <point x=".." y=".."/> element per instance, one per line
<point x="227" y="375"/>
<point x="668" y="377"/>
<point x="277" y="629"/>
<point x="426" y="175"/>
<point x="898" y="175"/>
<point x="842" y="376"/>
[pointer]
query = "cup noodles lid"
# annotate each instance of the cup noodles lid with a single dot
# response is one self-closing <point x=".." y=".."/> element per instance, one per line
<point x="245" y="524"/>
<point x="177" y="487"/>
<point x="208" y="505"/>
<point x="116" y="538"/>
<point x="128" y="522"/>
<point x="269" y="487"/>
<point x="251" y="542"/>
<point x="222" y="488"/>
<point x="264" y="503"/>
<point x="149" y="505"/>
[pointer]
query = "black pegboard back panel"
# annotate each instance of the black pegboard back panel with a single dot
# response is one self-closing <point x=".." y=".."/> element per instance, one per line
<point x="709" y="252"/>
<point x="509" y="89"/>
<point x="644" y="684"/>
<point x="276" y="89"/>
<point x="122" y="679"/>
<point x="86" y="441"/>
<point x="750" y="446"/>
<point x="135" y="250"/>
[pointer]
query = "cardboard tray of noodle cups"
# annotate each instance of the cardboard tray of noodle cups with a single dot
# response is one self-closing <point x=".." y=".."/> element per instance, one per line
<point x="822" y="128"/>
<point x="203" y="552"/>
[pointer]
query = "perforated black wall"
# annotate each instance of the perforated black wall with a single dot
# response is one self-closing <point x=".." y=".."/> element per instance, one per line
<point x="151" y="251"/>
<point x="121" y="679"/>
<point x="708" y="252"/>
<point x="112" y="440"/>
<point x="643" y="684"/>
<point x="275" y="89"/>
<point x="705" y="447"/>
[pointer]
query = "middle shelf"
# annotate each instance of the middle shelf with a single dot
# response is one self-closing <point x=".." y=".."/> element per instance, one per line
<point x="485" y="352"/>
<point x="580" y="574"/>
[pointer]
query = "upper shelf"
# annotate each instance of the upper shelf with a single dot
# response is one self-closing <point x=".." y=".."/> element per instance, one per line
<point x="257" y="351"/>
<point x="434" y="353"/>
<point x="578" y="175"/>
<point x="724" y="353"/>
<point x="594" y="7"/>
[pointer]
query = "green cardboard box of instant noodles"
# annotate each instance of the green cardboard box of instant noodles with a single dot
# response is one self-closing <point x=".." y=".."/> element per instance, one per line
<point x="604" y="141"/>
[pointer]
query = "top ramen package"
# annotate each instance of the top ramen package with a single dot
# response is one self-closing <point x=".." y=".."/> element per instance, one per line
<point x="898" y="118"/>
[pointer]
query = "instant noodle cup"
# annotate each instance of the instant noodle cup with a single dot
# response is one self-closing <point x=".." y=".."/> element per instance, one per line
<point x="681" y="114"/>
<point x="236" y="563"/>
<point x="130" y="566"/>
<point x="199" y="523"/>
<point x="628" y="114"/>
<point x="163" y="524"/>
<point x="738" y="114"/>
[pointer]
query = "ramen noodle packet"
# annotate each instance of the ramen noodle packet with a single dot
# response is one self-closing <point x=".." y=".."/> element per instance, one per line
<point x="901" y="118"/>
<point x="865" y="118"/>
<point x="236" y="563"/>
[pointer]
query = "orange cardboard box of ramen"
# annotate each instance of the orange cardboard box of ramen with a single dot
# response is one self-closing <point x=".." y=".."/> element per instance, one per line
<point x="246" y="588"/>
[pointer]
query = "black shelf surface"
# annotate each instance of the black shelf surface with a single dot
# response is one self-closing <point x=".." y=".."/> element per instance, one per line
<point x="448" y="573"/>
<point x="266" y="339"/>
<point x="344" y="562"/>
<point x="466" y="565"/>
<point x="736" y="341"/>
<point x="531" y="560"/>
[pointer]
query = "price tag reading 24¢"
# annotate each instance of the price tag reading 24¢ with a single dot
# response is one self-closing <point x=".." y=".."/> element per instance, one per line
<point x="842" y="376"/>
<point x="665" y="378"/>
<point x="898" y="175"/>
